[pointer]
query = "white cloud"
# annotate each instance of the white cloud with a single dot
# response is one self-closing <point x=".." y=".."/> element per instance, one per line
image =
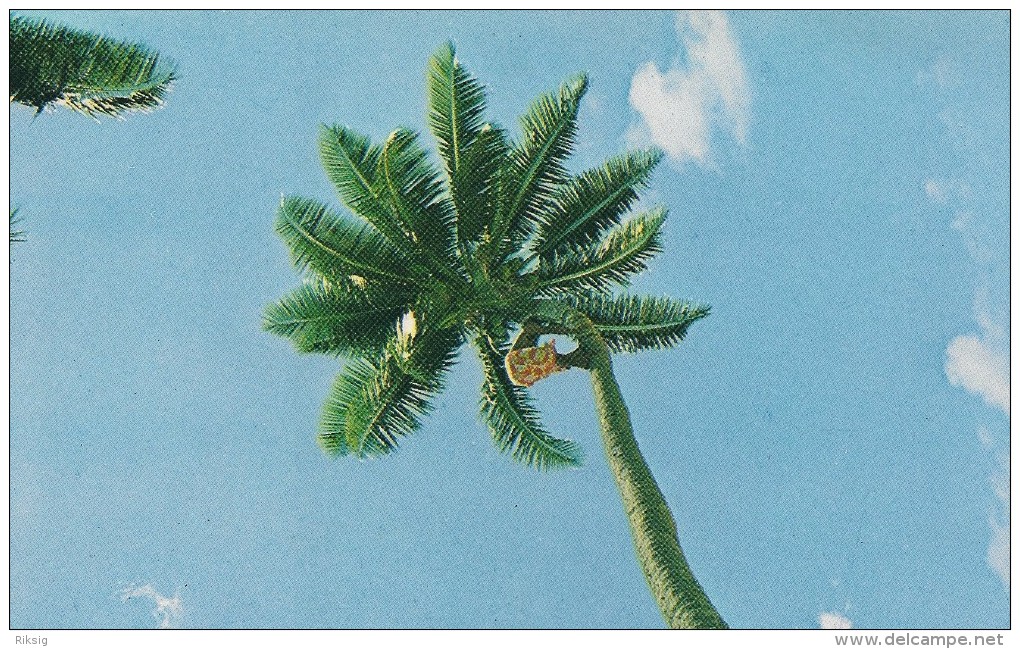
<point x="998" y="547"/>
<point x="168" y="610"/>
<point x="979" y="362"/>
<point x="973" y="365"/>
<point x="834" y="621"/>
<point x="946" y="190"/>
<point x="943" y="74"/>
<point x="680" y="108"/>
<point x="998" y="550"/>
<point x="976" y="238"/>
<point x="987" y="441"/>
<point x="935" y="191"/>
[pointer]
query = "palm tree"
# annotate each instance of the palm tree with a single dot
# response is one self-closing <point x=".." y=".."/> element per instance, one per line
<point x="501" y="249"/>
<point x="52" y="65"/>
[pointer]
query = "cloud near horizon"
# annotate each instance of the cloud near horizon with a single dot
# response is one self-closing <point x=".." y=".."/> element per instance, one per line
<point x="168" y="611"/>
<point x="682" y="108"/>
<point x="998" y="546"/>
<point x="834" y="621"/>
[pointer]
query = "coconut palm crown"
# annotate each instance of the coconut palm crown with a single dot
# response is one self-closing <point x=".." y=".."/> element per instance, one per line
<point x="499" y="247"/>
<point x="53" y="65"/>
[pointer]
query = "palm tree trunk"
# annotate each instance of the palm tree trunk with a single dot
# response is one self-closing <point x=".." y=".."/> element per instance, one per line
<point x="681" y="599"/>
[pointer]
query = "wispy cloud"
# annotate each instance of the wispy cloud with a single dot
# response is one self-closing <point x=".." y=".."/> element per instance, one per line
<point x="978" y="361"/>
<point x="944" y="190"/>
<point x="935" y="191"/>
<point x="168" y="610"/>
<point x="682" y="107"/>
<point x="834" y="621"/>
<point x="942" y="73"/>
<point x="998" y="547"/>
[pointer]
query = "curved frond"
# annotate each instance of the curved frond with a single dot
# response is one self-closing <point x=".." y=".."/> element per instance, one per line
<point x="320" y="317"/>
<point x="373" y="402"/>
<point x="535" y="169"/>
<point x="17" y="236"/>
<point x="456" y="107"/>
<point x="621" y="253"/>
<point x="630" y="323"/>
<point x="352" y="163"/>
<point x="414" y="193"/>
<point x="85" y="72"/>
<point x="593" y="201"/>
<point x="337" y="248"/>
<point x="473" y="151"/>
<point x="513" y="420"/>
<point x="476" y="190"/>
<point x="370" y="180"/>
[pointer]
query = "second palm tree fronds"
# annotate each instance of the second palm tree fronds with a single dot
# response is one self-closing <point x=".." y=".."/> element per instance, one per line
<point x="17" y="236"/>
<point x="498" y="248"/>
<point x="53" y="65"/>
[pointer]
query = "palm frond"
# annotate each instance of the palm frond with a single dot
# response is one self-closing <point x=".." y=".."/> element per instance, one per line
<point x="472" y="150"/>
<point x="320" y="317"/>
<point x="593" y="201"/>
<point x="374" y="402"/>
<point x="352" y="164"/>
<point x="621" y="253"/>
<point x="476" y="191"/>
<point x="17" y="236"/>
<point x="414" y="193"/>
<point x="85" y="72"/>
<point x="456" y="109"/>
<point x="337" y="248"/>
<point x="369" y="179"/>
<point x="512" y="419"/>
<point x="535" y="169"/>
<point x="630" y="323"/>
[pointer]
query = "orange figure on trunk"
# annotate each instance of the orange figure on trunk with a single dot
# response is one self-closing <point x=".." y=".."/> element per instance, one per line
<point x="530" y="364"/>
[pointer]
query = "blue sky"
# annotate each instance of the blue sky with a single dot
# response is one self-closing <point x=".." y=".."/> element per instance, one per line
<point x="833" y="439"/>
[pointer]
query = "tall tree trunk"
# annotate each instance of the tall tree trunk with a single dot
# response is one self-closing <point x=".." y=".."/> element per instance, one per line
<point x="681" y="599"/>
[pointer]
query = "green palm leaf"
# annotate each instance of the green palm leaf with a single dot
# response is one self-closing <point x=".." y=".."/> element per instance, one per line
<point x="414" y="193"/>
<point x="358" y="375"/>
<point x="85" y="72"/>
<point x="594" y="201"/>
<point x="17" y="236"/>
<point x="323" y="318"/>
<point x="512" y="419"/>
<point x="621" y="253"/>
<point x="456" y="108"/>
<point x="631" y="323"/>
<point x="375" y="402"/>
<point x="352" y="162"/>
<point x="337" y="248"/>
<point x="368" y="179"/>
<point x="472" y="150"/>
<point x="476" y="191"/>
<point x="535" y="169"/>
